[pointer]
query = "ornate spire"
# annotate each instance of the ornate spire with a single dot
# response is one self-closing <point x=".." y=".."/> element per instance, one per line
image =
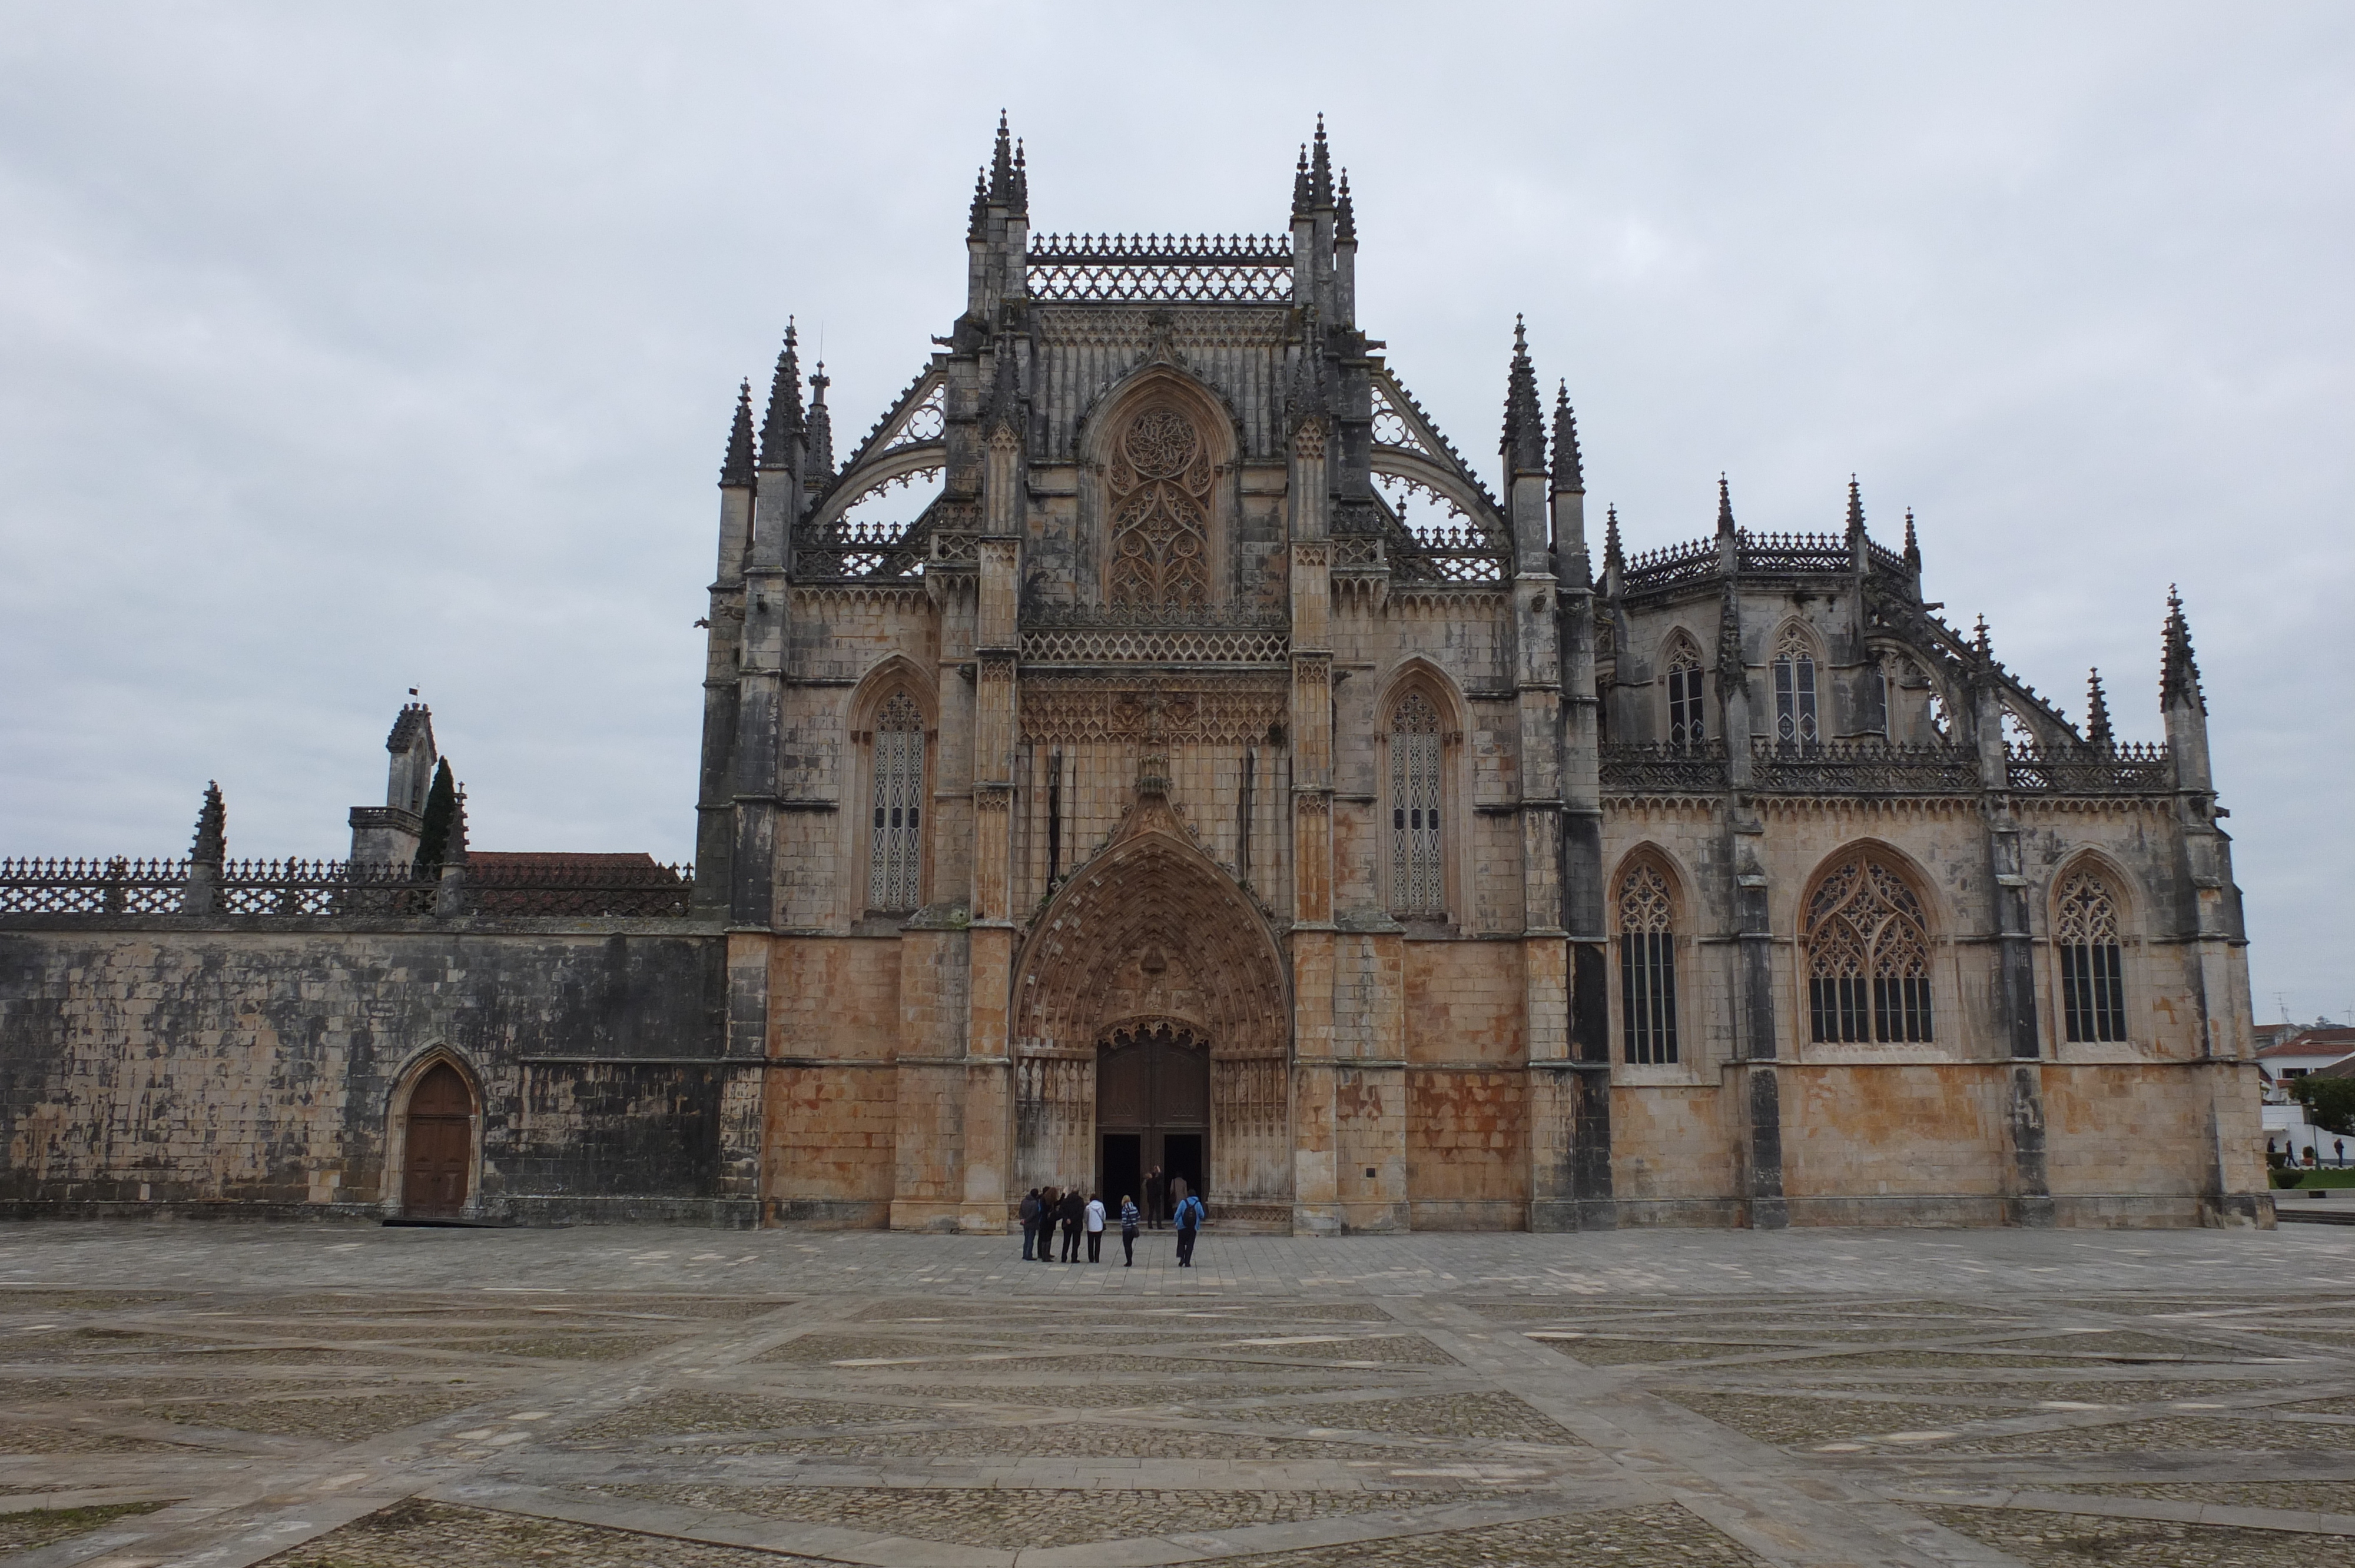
<point x="1569" y="466"/>
<point x="1001" y="166"/>
<point x="1912" y="545"/>
<point x="977" y="224"/>
<point x="1613" y="560"/>
<point x="2097" y="714"/>
<point x="1320" y="169"/>
<point x="1021" y="184"/>
<point x="453" y="846"/>
<point x="1724" y="506"/>
<point x="212" y="828"/>
<point x="821" y="426"/>
<point x="783" y="426"/>
<point x="1345" y="217"/>
<point x="2179" y="679"/>
<point x="1524" y="442"/>
<point x="1732" y="674"/>
<point x="1855" y="510"/>
<point x="1980" y="644"/>
<point x="1301" y="201"/>
<point x="736" y="468"/>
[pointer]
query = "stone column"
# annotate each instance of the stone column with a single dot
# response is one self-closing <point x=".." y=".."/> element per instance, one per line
<point x="1315" y="1187"/>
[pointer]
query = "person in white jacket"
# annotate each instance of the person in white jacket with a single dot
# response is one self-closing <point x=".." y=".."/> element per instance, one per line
<point x="1095" y="1227"/>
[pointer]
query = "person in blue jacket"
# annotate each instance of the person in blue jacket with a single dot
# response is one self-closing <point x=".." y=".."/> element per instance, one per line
<point x="1190" y="1217"/>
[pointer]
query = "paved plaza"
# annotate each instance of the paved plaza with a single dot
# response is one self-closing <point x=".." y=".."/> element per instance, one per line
<point x="337" y="1396"/>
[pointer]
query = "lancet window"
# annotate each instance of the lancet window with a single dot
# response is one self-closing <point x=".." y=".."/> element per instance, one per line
<point x="1795" y="692"/>
<point x="1159" y="480"/>
<point x="2092" y="972"/>
<point x="1417" y="883"/>
<point x="895" y="850"/>
<point x="1648" y="967"/>
<point x="1688" y="721"/>
<point x="1868" y="959"/>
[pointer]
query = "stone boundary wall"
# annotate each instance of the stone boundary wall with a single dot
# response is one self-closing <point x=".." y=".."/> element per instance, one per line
<point x="171" y="1066"/>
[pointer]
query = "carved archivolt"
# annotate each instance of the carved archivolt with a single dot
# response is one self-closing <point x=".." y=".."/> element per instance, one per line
<point x="1160" y="481"/>
<point x="1064" y="712"/>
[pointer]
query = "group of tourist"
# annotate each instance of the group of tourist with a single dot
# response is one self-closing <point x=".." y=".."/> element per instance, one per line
<point x="1047" y="1211"/>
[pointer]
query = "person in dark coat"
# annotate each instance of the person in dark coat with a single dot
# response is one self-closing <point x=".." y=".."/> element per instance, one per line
<point x="1047" y="1200"/>
<point x="1074" y="1215"/>
<point x="1029" y="1223"/>
<point x="1156" y="1197"/>
<point x="1128" y="1230"/>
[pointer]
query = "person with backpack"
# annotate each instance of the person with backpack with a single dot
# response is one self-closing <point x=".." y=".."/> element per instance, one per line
<point x="1030" y="1223"/>
<point x="1128" y="1218"/>
<point x="1190" y="1217"/>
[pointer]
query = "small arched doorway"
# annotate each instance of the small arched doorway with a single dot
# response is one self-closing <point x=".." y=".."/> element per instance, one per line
<point x="1152" y="1107"/>
<point x="438" y="1145"/>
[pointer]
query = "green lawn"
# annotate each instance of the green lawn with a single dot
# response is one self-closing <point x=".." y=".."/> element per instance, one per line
<point x="2328" y="1178"/>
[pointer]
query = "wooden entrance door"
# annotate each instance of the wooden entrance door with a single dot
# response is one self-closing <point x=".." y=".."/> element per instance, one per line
<point x="1153" y="1082"/>
<point x="441" y="1144"/>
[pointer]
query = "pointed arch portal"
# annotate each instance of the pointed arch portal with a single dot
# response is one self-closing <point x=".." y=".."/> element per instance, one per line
<point x="1152" y="991"/>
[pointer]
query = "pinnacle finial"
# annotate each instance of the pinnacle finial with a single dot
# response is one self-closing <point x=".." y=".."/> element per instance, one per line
<point x="1345" y="217"/>
<point x="1613" y="560"/>
<point x="783" y="425"/>
<point x="1302" y="200"/>
<point x="1855" y="510"/>
<point x="2097" y="712"/>
<point x="736" y="468"/>
<point x="453" y="846"/>
<point x="977" y="222"/>
<point x="1979" y="641"/>
<point x="1320" y="169"/>
<point x="1724" y="505"/>
<point x="2179" y="679"/>
<point x="821" y="426"/>
<point x="1912" y="545"/>
<point x="212" y="828"/>
<point x="1021" y="203"/>
<point x="1569" y="465"/>
<point x="1524" y="440"/>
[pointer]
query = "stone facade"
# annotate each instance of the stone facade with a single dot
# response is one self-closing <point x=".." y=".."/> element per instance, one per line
<point x="1217" y="773"/>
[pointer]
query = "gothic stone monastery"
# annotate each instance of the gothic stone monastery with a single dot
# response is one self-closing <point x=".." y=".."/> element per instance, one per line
<point x="1216" y="774"/>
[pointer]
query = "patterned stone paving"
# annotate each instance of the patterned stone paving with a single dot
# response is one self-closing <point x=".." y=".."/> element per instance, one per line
<point x="626" y="1396"/>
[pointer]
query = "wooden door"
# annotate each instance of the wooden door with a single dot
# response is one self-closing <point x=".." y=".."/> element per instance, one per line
<point x="441" y="1144"/>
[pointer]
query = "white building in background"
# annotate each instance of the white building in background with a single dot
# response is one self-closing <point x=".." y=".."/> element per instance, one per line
<point x="2294" y="1055"/>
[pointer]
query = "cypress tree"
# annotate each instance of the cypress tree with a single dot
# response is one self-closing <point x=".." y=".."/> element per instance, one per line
<point x="440" y="808"/>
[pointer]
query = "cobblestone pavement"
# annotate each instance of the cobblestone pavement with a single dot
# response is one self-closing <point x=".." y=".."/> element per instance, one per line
<point x="318" y="1397"/>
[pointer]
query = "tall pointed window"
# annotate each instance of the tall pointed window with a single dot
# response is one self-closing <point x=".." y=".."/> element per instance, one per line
<point x="1795" y="692"/>
<point x="1160" y="480"/>
<point x="1648" y="967"/>
<point x="895" y="852"/>
<point x="1687" y="725"/>
<point x="1868" y="959"/>
<point x="2092" y="975"/>
<point x="1417" y="886"/>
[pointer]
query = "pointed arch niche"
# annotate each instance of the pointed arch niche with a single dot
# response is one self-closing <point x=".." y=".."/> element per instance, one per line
<point x="893" y="726"/>
<point x="1683" y="675"/>
<point x="1870" y="956"/>
<point x="1650" y="918"/>
<point x="2094" y="951"/>
<point x="1151" y="937"/>
<point x="1159" y="497"/>
<point x="1423" y="837"/>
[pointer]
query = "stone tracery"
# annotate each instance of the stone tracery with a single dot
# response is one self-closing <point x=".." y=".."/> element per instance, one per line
<point x="1160" y="481"/>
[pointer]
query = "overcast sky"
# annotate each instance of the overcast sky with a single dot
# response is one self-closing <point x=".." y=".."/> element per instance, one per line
<point x="349" y="348"/>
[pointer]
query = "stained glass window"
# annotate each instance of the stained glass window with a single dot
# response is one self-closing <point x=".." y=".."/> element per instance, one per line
<point x="1868" y="958"/>
<point x="1687" y="725"/>
<point x="1795" y="692"/>
<point x="2092" y="974"/>
<point x="1648" y="967"/>
<point x="1417" y="886"/>
<point x="895" y="860"/>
